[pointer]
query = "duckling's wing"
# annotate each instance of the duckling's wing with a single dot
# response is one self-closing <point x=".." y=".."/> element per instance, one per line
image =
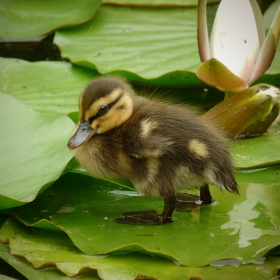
<point x="141" y="145"/>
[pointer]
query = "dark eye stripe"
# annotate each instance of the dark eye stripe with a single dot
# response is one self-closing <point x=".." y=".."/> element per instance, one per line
<point x="110" y="105"/>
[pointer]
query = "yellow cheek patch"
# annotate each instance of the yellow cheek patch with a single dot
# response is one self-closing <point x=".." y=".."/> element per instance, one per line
<point x="103" y="123"/>
<point x="198" y="148"/>
<point x="93" y="109"/>
<point x="95" y="124"/>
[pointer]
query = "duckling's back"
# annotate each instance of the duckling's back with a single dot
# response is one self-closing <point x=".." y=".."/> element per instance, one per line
<point x="175" y="148"/>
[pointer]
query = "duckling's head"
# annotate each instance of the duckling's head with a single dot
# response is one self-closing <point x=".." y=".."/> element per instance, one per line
<point x="106" y="103"/>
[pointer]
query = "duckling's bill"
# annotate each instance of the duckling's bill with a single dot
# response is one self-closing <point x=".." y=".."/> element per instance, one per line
<point x="83" y="133"/>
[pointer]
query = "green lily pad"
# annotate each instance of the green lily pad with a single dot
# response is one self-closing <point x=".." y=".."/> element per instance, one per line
<point x="21" y="20"/>
<point x="138" y="43"/>
<point x="258" y="152"/>
<point x="85" y="208"/>
<point x="159" y="45"/>
<point x="260" y="175"/>
<point x="48" y="87"/>
<point x="60" y="91"/>
<point x="27" y="270"/>
<point x="162" y="3"/>
<point x="3" y="277"/>
<point x="37" y="247"/>
<point x="33" y="150"/>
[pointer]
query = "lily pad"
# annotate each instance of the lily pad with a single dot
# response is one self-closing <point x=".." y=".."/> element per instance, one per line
<point x="60" y="91"/>
<point x="27" y="270"/>
<point x="136" y="42"/>
<point x="32" y="152"/>
<point x="37" y="247"/>
<point x="258" y="152"/>
<point x="48" y="87"/>
<point x="158" y="45"/>
<point x="260" y="175"/>
<point x="161" y="3"/>
<point x="85" y="208"/>
<point x="21" y="20"/>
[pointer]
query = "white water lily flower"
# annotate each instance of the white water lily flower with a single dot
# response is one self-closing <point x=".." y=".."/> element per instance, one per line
<point x="238" y="38"/>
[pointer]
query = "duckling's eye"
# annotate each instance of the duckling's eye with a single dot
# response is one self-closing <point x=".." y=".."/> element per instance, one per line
<point x="102" y="110"/>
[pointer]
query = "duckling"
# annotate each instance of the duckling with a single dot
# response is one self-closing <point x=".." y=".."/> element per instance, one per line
<point x="160" y="148"/>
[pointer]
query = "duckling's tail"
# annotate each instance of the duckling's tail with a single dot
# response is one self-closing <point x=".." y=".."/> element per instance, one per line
<point x="221" y="170"/>
<point x="226" y="180"/>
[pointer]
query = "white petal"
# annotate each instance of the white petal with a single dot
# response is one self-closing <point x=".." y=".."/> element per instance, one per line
<point x="235" y="40"/>
<point x="268" y="49"/>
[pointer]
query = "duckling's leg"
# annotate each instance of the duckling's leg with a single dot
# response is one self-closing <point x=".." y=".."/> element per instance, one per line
<point x="150" y="217"/>
<point x="205" y="195"/>
<point x="186" y="202"/>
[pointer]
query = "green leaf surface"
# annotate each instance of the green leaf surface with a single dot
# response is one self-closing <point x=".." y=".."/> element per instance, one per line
<point x="26" y="269"/>
<point x="260" y="175"/>
<point x="33" y="150"/>
<point x="59" y="92"/>
<point x="158" y="45"/>
<point x="38" y="248"/>
<point x="4" y="277"/>
<point x="139" y="43"/>
<point x="48" y="87"/>
<point x="22" y="19"/>
<point x="164" y="3"/>
<point x="259" y="151"/>
<point x="85" y="208"/>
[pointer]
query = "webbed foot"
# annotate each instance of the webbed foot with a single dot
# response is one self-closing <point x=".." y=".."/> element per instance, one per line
<point x="143" y="218"/>
<point x="150" y="217"/>
<point x="188" y="202"/>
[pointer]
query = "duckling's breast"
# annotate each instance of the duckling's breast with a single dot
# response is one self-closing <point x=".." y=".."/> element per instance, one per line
<point x="102" y="156"/>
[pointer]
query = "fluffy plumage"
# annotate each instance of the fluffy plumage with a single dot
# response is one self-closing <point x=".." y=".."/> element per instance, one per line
<point x="160" y="148"/>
